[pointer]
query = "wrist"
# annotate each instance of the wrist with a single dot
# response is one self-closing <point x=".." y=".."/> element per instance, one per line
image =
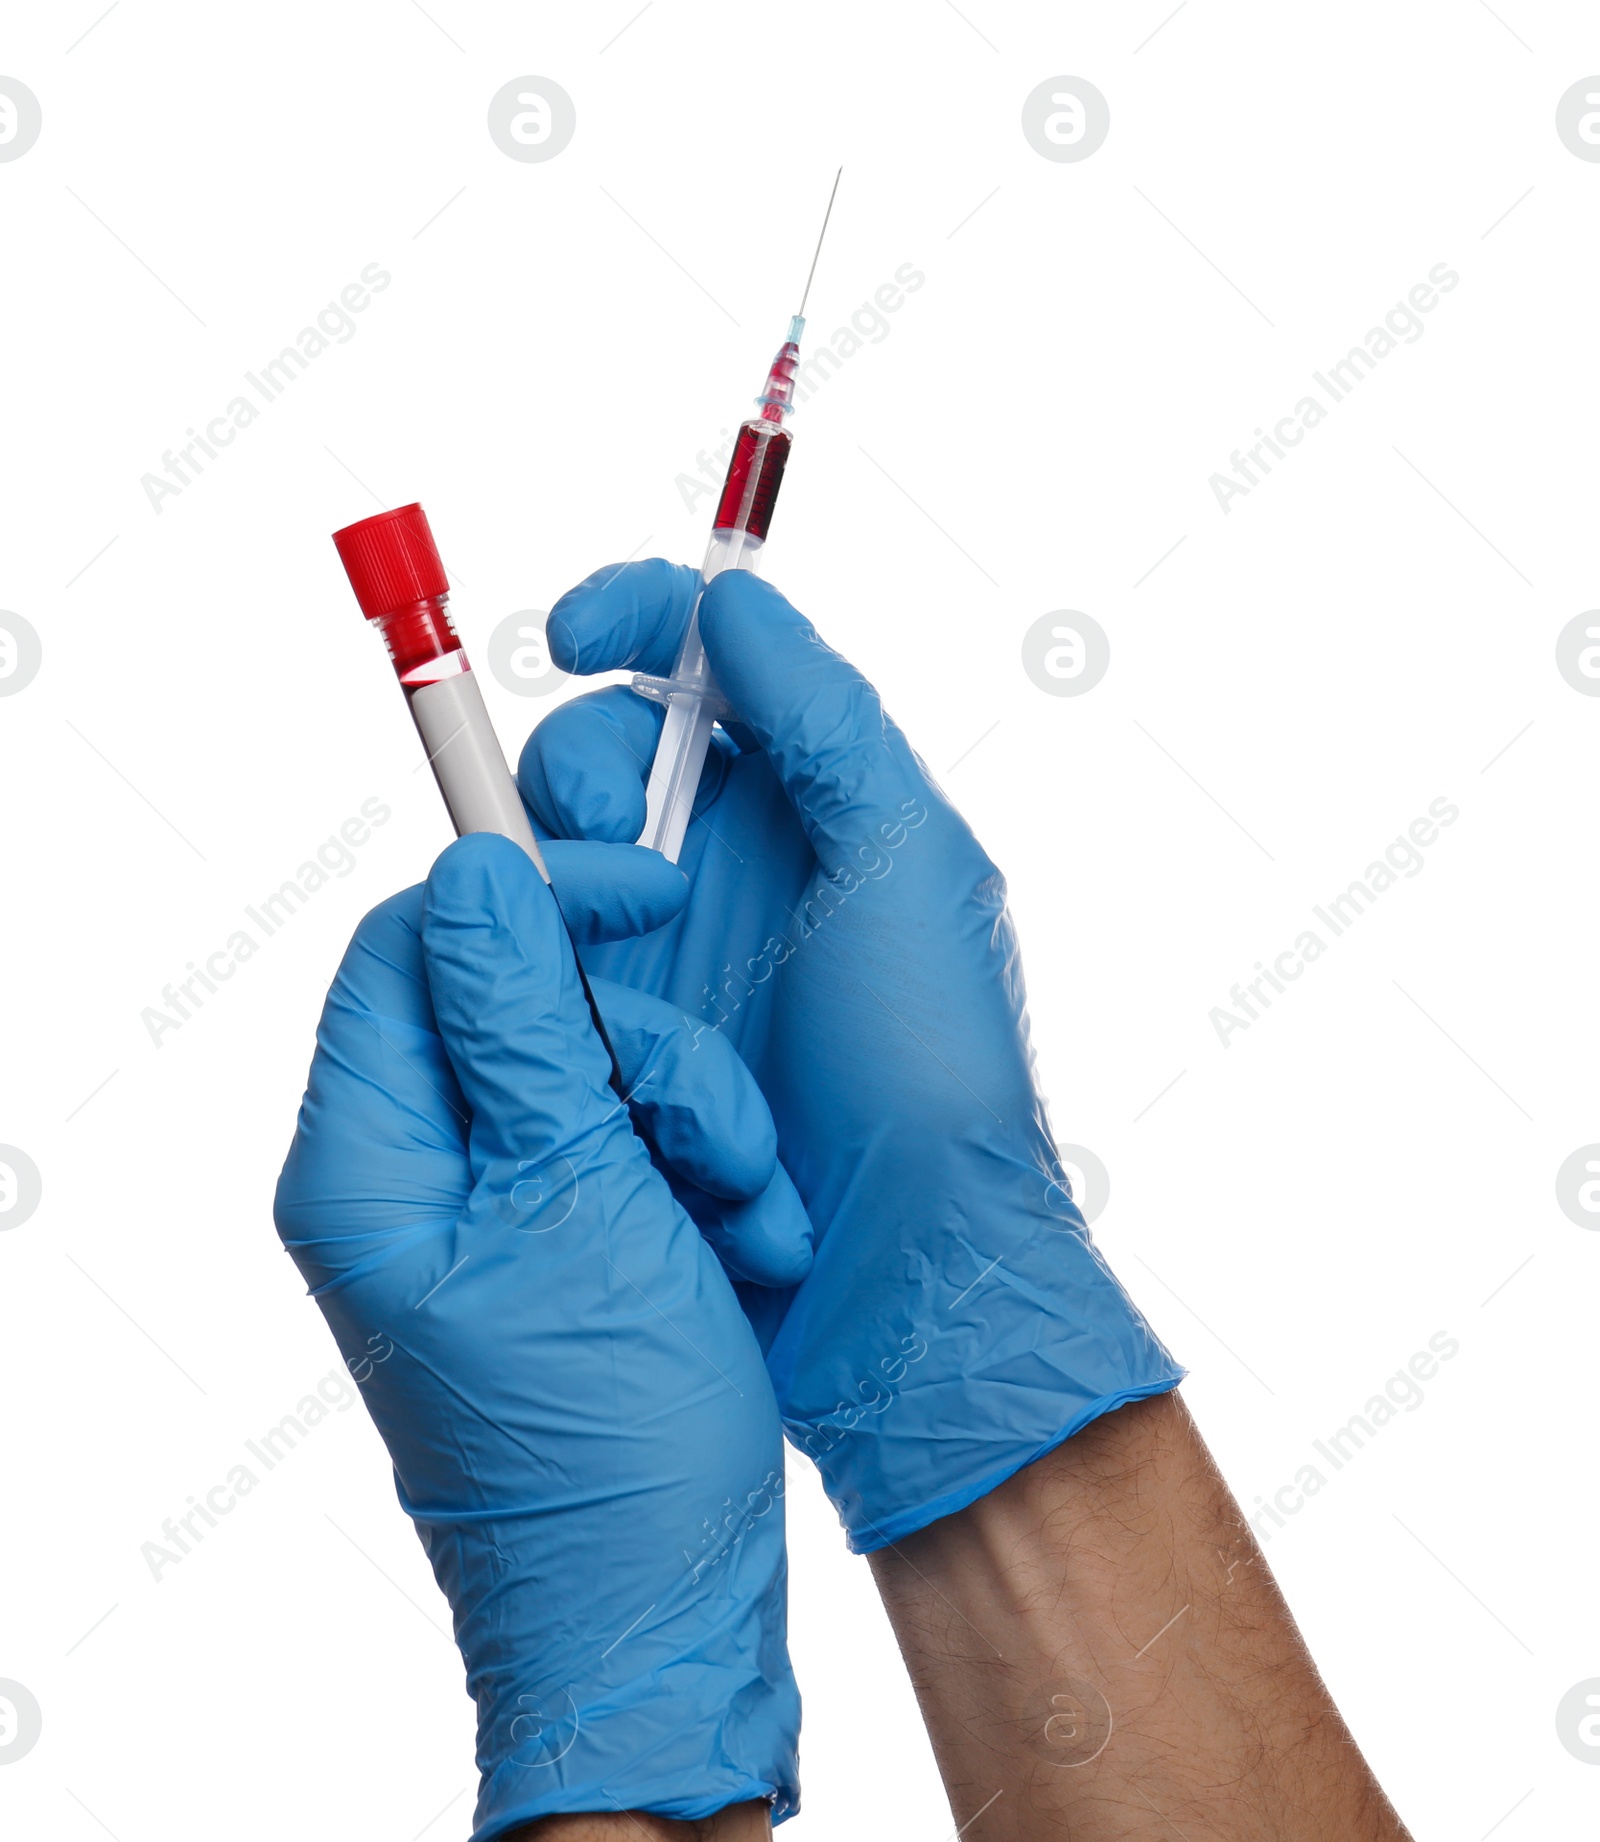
<point x="1099" y="1645"/>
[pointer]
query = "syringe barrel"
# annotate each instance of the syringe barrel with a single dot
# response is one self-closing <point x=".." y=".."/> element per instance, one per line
<point x="692" y="705"/>
<point x="739" y="529"/>
<point x="394" y="568"/>
<point x="755" y="473"/>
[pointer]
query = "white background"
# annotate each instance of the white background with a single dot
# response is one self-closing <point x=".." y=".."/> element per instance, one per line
<point x="1372" y="1162"/>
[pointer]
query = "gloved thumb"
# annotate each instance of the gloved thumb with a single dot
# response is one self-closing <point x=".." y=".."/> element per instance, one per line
<point x="845" y="765"/>
<point x="509" y="1004"/>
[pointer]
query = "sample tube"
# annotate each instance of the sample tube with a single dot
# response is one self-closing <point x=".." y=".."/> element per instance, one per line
<point x="394" y="567"/>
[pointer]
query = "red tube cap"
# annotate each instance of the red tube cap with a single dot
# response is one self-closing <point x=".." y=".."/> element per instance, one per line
<point x="392" y="560"/>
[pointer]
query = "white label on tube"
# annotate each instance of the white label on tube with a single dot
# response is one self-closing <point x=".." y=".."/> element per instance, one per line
<point x="468" y="763"/>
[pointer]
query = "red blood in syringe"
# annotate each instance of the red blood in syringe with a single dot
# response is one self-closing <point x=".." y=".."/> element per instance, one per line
<point x="760" y="451"/>
<point x="751" y="488"/>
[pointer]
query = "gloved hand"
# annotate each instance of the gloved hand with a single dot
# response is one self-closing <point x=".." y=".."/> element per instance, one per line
<point x="848" y="934"/>
<point x="576" y="1408"/>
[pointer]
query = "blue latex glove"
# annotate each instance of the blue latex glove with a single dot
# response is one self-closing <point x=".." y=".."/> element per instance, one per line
<point x="575" y="1405"/>
<point x="847" y="932"/>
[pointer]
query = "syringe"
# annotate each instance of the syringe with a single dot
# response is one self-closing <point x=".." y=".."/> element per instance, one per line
<point x="394" y="567"/>
<point x="738" y="531"/>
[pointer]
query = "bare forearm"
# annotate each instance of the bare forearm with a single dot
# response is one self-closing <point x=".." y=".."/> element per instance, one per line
<point x="738" y="1823"/>
<point x="1099" y="1643"/>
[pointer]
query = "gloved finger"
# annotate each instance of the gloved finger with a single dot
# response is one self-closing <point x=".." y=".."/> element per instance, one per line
<point x="509" y="1003"/>
<point x="382" y="971"/>
<point x="845" y="765"/>
<point x="613" y="891"/>
<point x="629" y="615"/>
<point x="583" y="770"/>
<point x="690" y="1094"/>
<point x="764" y="1308"/>
<point x="379" y="1151"/>
<point x="766" y="1241"/>
<point x="697" y="1104"/>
